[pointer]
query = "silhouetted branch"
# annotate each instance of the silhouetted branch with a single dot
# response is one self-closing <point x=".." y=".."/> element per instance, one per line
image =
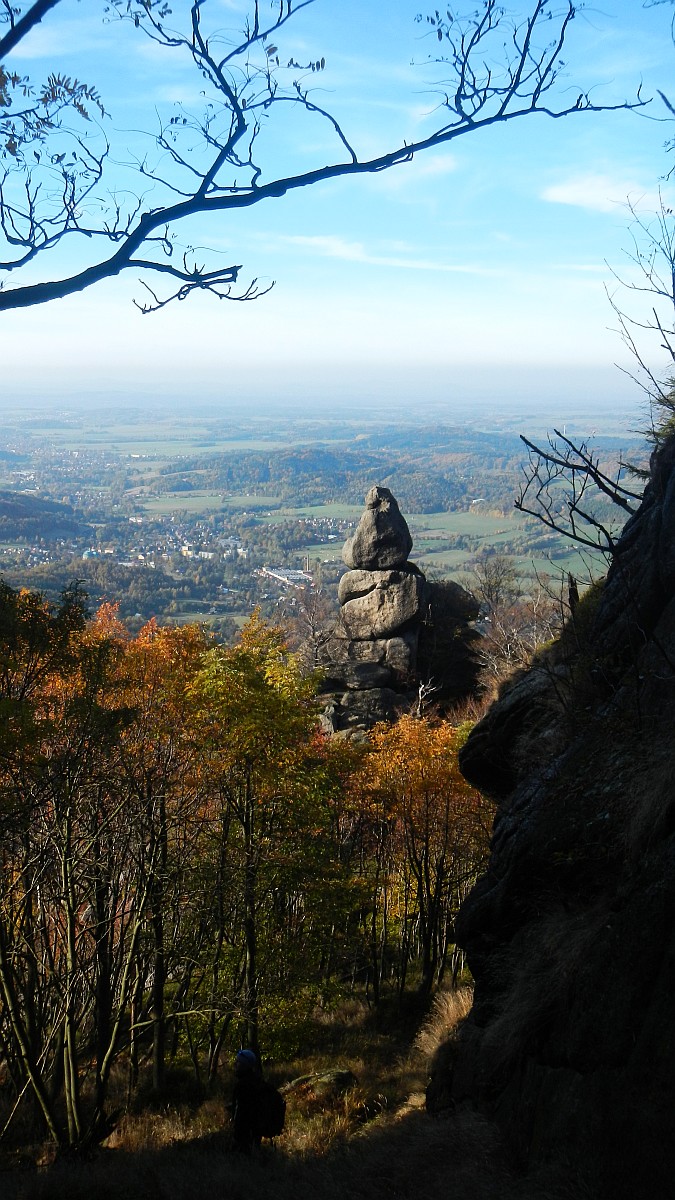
<point x="652" y="259"/>
<point x="19" y="28"/>
<point x="206" y="163"/>
<point x="563" y="483"/>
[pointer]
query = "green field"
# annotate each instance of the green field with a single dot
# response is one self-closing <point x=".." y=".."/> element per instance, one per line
<point x="152" y="438"/>
<point x="253" y="502"/>
<point x="191" y="502"/>
<point x="335" y="512"/>
<point x="160" y="439"/>
<point x="429" y="531"/>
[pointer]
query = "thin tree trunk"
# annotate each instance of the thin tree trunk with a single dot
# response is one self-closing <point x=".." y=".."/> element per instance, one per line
<point x="159" y="951"/>
<point x="28" y="1062"/>
<point x="250" y="925"/>
<point x="70" y="1055"/>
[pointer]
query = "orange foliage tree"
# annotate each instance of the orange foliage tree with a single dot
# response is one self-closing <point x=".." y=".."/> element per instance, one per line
<point x="270" y="778"/>
<point x="428" y="832"/>
<point x="188" y="863"/>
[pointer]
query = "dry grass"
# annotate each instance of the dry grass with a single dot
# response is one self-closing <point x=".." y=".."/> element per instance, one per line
<point x="398" y="1156"/>
<point x="374" y="1141"/>
<point x="448" y="1010"/>
<point x="168" y="1126"/>
<point x="472" y="709"/>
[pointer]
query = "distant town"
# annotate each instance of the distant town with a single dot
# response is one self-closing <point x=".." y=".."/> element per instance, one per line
<point x="207" y="522"/>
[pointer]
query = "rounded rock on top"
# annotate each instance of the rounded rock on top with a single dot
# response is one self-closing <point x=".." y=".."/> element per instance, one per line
<point x="382" y="540"/>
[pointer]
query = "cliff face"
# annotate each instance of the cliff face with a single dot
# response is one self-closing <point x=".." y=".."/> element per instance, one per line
<point x="570" y="934"/>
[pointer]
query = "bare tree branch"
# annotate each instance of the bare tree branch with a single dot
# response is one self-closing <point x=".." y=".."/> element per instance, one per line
<point x="652" y="274"/>
<point x="18" y="29"/>
<point x="564" y="486"/>
<point x="206" y="164"/>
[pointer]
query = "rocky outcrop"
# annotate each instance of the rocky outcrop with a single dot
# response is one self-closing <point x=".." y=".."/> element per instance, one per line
<point x="570" y="934"/>
<point x="378" y="604"/>
<point x="382" y="603"/>
<point x="445" y="652"/>
<point x="396" y="629"/>
<point x="382" y="540"/>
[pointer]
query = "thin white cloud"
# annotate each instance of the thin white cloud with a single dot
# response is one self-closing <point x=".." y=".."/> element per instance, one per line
<point x="329" y="246"/>
<point x="601" y="193"/>
<point x="68" y="37"/>
<point x="433" y="166"/>
<point x="408" y="177"/>
<point x="583" y="268"/>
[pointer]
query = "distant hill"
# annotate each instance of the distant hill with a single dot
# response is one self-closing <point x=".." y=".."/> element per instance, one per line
<point x="23" y="515"/>
<point x="315" y="475"/>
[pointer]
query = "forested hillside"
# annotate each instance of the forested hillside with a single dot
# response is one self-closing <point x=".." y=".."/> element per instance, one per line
<point x="175" y="519"/>
<point x="189" y="864"/>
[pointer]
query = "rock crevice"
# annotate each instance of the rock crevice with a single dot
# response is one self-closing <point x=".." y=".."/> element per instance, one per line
<point x="570" y="933"/>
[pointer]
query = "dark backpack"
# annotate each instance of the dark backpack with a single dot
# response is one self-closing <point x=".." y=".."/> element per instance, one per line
<point x="270" y="1114"/>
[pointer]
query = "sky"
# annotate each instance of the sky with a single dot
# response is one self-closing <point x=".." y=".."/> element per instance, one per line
<point x="477" y="274"/>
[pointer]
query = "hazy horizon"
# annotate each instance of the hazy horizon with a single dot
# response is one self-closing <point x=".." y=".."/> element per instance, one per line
<point x="520" y="397"/>
<point x="470" y="278"/>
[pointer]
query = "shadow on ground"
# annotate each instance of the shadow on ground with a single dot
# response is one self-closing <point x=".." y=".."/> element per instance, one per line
<point x="405" y="1155"/>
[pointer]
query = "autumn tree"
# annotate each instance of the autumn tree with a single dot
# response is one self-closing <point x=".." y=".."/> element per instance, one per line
<point x="436" y="827"/>
<point x="59" y="189"/>
<point x="97" y="783"/>
<point x="266" y="767"/>
<point x="171" y="848"/>
<point x="61" y="836"/>
<point x="156" y="766"/>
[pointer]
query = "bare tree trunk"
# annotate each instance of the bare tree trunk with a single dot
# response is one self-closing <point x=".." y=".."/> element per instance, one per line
<point x="70" y="1055"/>
<point x="29" y="1065"/>
<point x="135" y="1016"/>
<point x="250" y="924"/>
<point x="159" y="953"/>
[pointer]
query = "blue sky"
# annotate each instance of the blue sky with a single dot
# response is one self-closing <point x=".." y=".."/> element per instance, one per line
<point x="476" y="272"/>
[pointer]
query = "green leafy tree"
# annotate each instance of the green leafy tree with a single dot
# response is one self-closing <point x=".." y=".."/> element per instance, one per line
<point x="257" y="713"/>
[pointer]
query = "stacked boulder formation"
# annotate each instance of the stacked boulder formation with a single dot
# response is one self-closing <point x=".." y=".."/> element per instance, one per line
<point x="382" y="602"/>
<point x="386" y="606"/>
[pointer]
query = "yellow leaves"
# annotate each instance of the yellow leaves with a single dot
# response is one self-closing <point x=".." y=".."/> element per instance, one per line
<point x="107" y="624"/>
<point x="411" y="774"/>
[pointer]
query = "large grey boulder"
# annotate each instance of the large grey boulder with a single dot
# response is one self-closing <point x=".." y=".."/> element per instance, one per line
<point x="366" y="707"/>
<point x="354" y="584"/>
<point x="399" y="653"/>
<point x="450" y="603"/>
<point x="366" y="675"/>
<point x="382" y="539"/>
<point x="368" y="650"/>
<point x="381" y="602"/>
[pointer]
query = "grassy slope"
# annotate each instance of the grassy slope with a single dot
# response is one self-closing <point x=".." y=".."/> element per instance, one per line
<point x="372" y="1142"/>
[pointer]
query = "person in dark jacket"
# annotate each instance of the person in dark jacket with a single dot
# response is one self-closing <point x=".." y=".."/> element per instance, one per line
<point x="245" y="1099"/>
